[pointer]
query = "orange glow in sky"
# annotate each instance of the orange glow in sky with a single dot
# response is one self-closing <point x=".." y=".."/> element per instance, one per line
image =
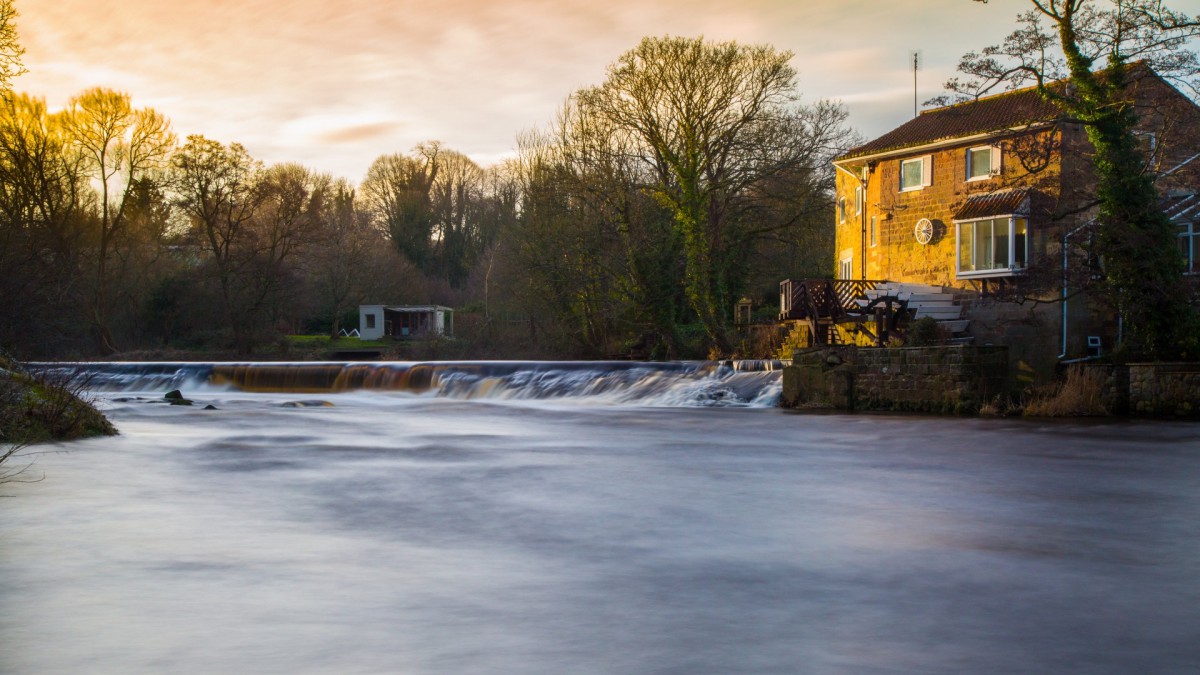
<point x="334" y="85"/>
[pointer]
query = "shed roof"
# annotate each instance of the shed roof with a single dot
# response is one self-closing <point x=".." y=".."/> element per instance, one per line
<point x="1002" y="203"/>
<point x="418" y="308"/>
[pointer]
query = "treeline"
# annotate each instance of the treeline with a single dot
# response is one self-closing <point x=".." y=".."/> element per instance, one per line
<point x="692" y="176"/>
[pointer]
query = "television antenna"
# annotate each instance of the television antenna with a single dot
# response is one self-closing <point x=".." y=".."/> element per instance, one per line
<point x="914" y="57"/>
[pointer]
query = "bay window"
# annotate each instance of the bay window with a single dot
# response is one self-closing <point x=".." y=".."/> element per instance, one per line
<point x="991" y="247"/>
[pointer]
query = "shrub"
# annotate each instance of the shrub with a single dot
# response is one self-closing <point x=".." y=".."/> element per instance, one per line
<point x="1080" y="394"/>
<point x="924" y="332"/>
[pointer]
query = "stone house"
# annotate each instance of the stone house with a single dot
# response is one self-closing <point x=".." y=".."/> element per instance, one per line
<point x="978" y="198"/>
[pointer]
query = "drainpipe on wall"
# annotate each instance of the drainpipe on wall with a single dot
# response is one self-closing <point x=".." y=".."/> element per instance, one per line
<point x="1066" y="237"/>
<point x="862" y="231"/>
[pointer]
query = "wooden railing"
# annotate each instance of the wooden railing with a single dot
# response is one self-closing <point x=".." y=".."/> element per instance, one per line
<point x="822" y="298"/>
<point x="821" y="304"/>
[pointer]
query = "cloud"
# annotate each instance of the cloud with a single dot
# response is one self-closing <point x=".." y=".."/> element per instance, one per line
<point x="358" y="133"/>
<point x="309" y="79"/>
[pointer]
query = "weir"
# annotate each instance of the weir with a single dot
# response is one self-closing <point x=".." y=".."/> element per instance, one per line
<point x="689" y="383"/>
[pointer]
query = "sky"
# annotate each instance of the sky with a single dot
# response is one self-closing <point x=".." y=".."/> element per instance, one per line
<point x="334" y="85"/>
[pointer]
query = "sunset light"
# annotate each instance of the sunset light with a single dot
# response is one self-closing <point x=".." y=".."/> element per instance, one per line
<point x="335" y="85"/>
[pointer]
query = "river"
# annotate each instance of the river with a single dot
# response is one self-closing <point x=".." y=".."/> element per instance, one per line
<point x="588" y="518"/>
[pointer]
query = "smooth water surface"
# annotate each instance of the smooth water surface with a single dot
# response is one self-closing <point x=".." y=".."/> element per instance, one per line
<point x="402" y="533"/>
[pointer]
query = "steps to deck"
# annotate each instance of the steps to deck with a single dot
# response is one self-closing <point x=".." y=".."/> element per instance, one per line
<point x="869" y="310"/>
<point x="936" y="302"/>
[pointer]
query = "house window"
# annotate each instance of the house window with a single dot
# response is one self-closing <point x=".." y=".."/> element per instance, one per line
<point x="992" y="246"/>
<point x="1146" y="141"/>
<point x="841" y="209"/>
<point x="983" y="162"/>
<point x="371" y="317"/>
<point x="858" y="200"/>
<point x="846" y="266"/>
<point x="1189" y="246"/>
<point x="916" y="173"/>
<point x="873" y="232"/>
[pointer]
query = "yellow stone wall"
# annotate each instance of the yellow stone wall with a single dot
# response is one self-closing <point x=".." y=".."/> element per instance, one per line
<point x="1029" y="160"/>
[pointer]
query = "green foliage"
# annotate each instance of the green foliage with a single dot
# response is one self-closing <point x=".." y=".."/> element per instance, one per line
<point x="924" y="332"/>
<point x="700" y="114"/>
<point x="324" y="342"/>
<point x="657" y="190"/>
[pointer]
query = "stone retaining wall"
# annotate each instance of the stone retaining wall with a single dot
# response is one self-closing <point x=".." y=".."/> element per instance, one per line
<point x="1164" y="389"/>
<point x="1149" y="389"/>
<point x="956" y="379"/>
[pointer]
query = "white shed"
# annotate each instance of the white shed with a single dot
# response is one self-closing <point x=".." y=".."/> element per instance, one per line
<point x="370" y="322"/>
<point x="405" y="321"/>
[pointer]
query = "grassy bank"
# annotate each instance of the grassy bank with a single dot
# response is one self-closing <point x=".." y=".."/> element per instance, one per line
<point x="36" y="409"/>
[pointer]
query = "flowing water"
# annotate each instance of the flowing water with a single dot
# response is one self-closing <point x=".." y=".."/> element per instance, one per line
<point x="588" y="518"/>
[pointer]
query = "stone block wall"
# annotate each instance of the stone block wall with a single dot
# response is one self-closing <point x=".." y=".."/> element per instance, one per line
<point x="957" y="379"/>
<point x="1164" y="389"/>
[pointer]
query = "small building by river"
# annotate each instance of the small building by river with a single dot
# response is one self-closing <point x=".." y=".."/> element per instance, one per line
<point x="405" y="322"/>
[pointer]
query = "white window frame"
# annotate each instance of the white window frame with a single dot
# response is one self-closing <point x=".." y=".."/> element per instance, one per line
<point x="926" y="173"/>
<point x="1189" y="246"/>
<point x="858" y="200"/>
<point x="993" y="162"/>
<point x="873" y="231"/>
<point x="841" y="208"/>
<point x="990" y="270"/>
<point x="846" y="265"/>
<point x="1147" y="141"/>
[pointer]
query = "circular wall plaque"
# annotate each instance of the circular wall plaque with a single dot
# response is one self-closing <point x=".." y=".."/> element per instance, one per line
<point x="923" y="231"/>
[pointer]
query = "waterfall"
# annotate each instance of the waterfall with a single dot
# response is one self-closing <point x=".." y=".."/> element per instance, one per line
<point x="693" y="383"/>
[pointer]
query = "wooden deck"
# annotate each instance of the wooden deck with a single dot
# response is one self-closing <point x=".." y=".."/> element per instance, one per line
<point x="874" y="308"/>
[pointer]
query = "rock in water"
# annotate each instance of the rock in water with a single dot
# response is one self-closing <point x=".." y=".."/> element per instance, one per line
<point x="175" y="397"/>
<point x="308" y="404"/>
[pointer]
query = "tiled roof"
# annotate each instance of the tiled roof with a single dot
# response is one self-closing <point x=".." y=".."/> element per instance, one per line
<point x="1000" y="203"/>
<point x="1009" y="110"/>
<point x="993" y="113"/>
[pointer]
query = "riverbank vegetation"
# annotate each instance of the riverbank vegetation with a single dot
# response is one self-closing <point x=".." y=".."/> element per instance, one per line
<point x="38" y="408"/>
<point x="1080" y="393"/>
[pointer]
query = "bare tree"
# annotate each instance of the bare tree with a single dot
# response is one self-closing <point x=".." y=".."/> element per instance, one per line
<point x="290" y="201"/>
<point x="45" y="206"/>
<point x="215" y="188"/>
<point x="710" y="121"/>
<point x="397" y="188"/>
<point x="121" y="146"/>
<point x="10" y="48"/>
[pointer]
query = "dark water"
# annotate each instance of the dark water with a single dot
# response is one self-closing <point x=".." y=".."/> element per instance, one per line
<point x="476" y="531"/>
